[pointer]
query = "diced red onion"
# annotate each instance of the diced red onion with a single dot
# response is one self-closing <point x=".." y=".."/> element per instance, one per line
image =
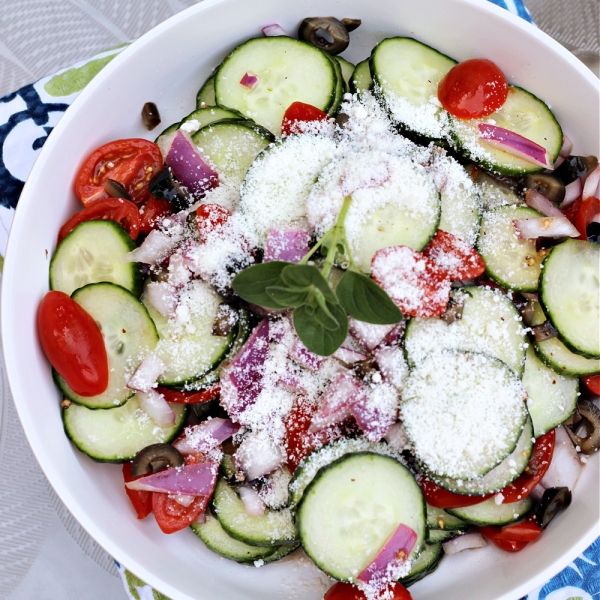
<point x="349" y="356"/>
<point x="515" y="144"/>
<point x="376" y="411"/>
<point x="592" y="183"/>
<point x="195" y="480"/>
<point x="201" y="518"/>
<point x="537" y="492"/>
<point x="396" y="550"/>
<point x="566" y="147"/>
<point x="531" y="229"/>
<point x="162" y="296"/>
<point x="206" y="435"/>
<point x="540" y="203"/>
<point x="183" y="499"/>
<point x="572" y="191"/>
<point x="305" y="358"/>
<point x="396" y="334"/>
<point x="179" y="275"/>
<point x="241" y="380"/>
<point x="188" y="164"/>
<point x="249" y="80"/>
<point x="369" y="335"/>
<point x="565" y="467"/>
<point x="145" y="376"/>
<point x="257" y="456"/>
<point x="469" y="541"/>
<point x="290" y="246"/>
<point x="396" y="437"/>
<point x="274" y="30"/>
<point x="392" y="364"/>
<point x="157" y="408"/>
<point x="155" y="248"/>
<point x="253" y="504"/>
<point x="291" y="381"/>
<point x="336" y="401"/>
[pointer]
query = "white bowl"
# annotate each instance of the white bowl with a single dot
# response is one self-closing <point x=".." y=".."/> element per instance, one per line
<point x="167" y="66"/>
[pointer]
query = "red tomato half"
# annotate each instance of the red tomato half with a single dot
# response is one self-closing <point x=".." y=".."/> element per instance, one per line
<point x="473" y="88"/>
<point x="73" y="344"/>
<point x="122" y="211"/>
<point x="172" y="516"/>
<point x="190" y="397"/>
<point x="513" y="537"/>
<point x="453" y="257"/>
<point x="131" y="162"/>
<point x="581" y="213"/>
<point x="142" y="501"/>
<point x="593" y="384"/>
<point x="346" y="591"/>
<point x="210" y="217"/>
<point x="298" y="112"/>
<point x="440" y="498"/>
<point x="152" y="211"/>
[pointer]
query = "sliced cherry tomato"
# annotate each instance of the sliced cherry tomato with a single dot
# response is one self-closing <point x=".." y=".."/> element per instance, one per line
<point x="142" y="501"/>
<point x="122" y="211"/>
<point x="454" y="257"/>
<point x="440" y="498"/>
<point x="190" y="397"/>
<point x="539" y="463"/>
<point x="299" y="112"/>
<point x="508" y="545"/>
<point x="346" y="591"/>
<point x="152" y="211"/>
<point x="210" y="217"/>
<point x="172" y="516"/>
<point x="512" y="538"/>
<point x="412" y="281"/>
<point x="73" y="344"/>
<point x="131" y="162"/>
<point x="581" y="213"/>
<point x="473" y="88"/>
<point x="593" y="384"/>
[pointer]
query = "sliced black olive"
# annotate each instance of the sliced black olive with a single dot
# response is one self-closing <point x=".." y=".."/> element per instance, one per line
<point x="547" y="185"/>
<point x="454" y="311"/>
<point x="163" y="185"/>
<point x="150" y="115"/>
<point x="574" y="167"/>
<point x="351" y="24"/>
<point x="553" y="501"/>
<point x="341" y="119"/>
<point x="545" y="331"/>
<point x="115" y="189"/>
<point x="593" y="232"/>
<point x="225" y="320"/>
<point x="155" y="458"/>
<point x="588" y="424"/>
<point x="203" y="410"/>
<point x="327" y="33"/>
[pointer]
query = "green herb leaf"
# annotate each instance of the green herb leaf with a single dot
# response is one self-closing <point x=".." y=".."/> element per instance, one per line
<point x="323" y="314"/>
<point x="314" y="336"/>
<point x="288" y="296"/>
<point x="251" y="284"/>
<point x="305" y="276"/>
<point x="364" y="300"/>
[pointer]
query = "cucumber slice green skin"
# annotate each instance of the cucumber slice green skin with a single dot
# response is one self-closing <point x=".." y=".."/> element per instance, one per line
<point x="117" y="435"/>
<point x="511" y="262"/>
<point x="340" y="86"/>
<point x="570" y="295"/>
<point x="436" y="536"/>
<point x="490" y="513"/>
<point x="206" y="94"/>
<point x="347" y="70"/>
<point x="437" y="518"/>
<point x="350" y="509"/>
<point x="552" y="398"/>
<point x="494" y="194"/>
<point x="499" y="477"/>
<point x="361" y="79"/>
<point x="129" y="334"/>
<point x="273" y="528"/>
<point x="93" y="253"/>
<point x="555" y="355"/>
<point x="425" y="564"/>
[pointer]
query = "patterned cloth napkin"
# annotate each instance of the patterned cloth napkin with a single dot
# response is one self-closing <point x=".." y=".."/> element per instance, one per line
<point x="27" y="117"/>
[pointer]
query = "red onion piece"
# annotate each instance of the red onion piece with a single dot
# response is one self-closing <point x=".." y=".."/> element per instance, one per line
<point x="157" y="408"/>
<point x="572" y="191"/>
<point x="469" y="541"/>
<point x="274" y="30"/>
<point x="179" y="275"/>
<point x="540" y="203"/>
<point x="396" y="437"/>
<point x="369" y="335"/>
<point x="145" y="376"/>
<point x="565" y="467"/>
<point x="188" y="164"/>
<point x="257" y="457"/>
<point x="592" y="183"/>
<point x="376" y="411"/>
<point x="241" y="380"/>
<point x="392" y="364"/>
<point x="195" y="480"/>
<point x="515" y="144"/>
<point x="162" y="296"/>
<point x="349" y="356"/>
<point x="155" y="248"/>
<point x="566" y="147"/>
<point x="290" y="246"/>
<point x="396" y="550"/>
<point x="249" y="80"/>
<point x="201" y="518"/>
<point x="531" y="229"/>
<point x="206" y="435"/>
<point x="305" y="358"/>
<point x="253" y="504"/>
<point x="290" y="381"/>
<point x="183" y="499"/>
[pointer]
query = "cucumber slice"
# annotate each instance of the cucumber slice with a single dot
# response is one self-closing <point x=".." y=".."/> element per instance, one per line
<point x="279" y="181"/>
<point x="510" y="261"/>
<point x="490" y="513"/>
<point x="187" y="346"/>
<point x="361" y="79"/>
<point x="232" y="145"/>
<point x="270" y="529"/>
<point x="352" y="507"/>
<point x="522" y="113"/>
<point x="206" y="94"/>
<point x="316" y="460"/>
<point x="552" y="398"/>
<point x="404" y="210"/>
<point x="339" y="86"/>
<point x="570" y="295"/>
<point x="490" y="324"/>
<point x="281" y="552"/>
<point x="94" y="252"/>
<point x="406" y="74"/>
<point x="499" y="477"/>
<point x="452" y="432"/>
<point x="438" y="518"/>
<point x="129" y="334"/>
<point x="554" y="354"/>
<point x="492" y="193"/>
<point x="288" y="71"/>
<point x="436" y="536"/>
<point x="117" y="435"/>
<point x="347" y="70"/>
<point x="425" y="564"/>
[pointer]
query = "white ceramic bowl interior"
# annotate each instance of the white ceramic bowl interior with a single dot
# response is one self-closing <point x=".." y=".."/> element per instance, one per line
<point x="167" y="66"/>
